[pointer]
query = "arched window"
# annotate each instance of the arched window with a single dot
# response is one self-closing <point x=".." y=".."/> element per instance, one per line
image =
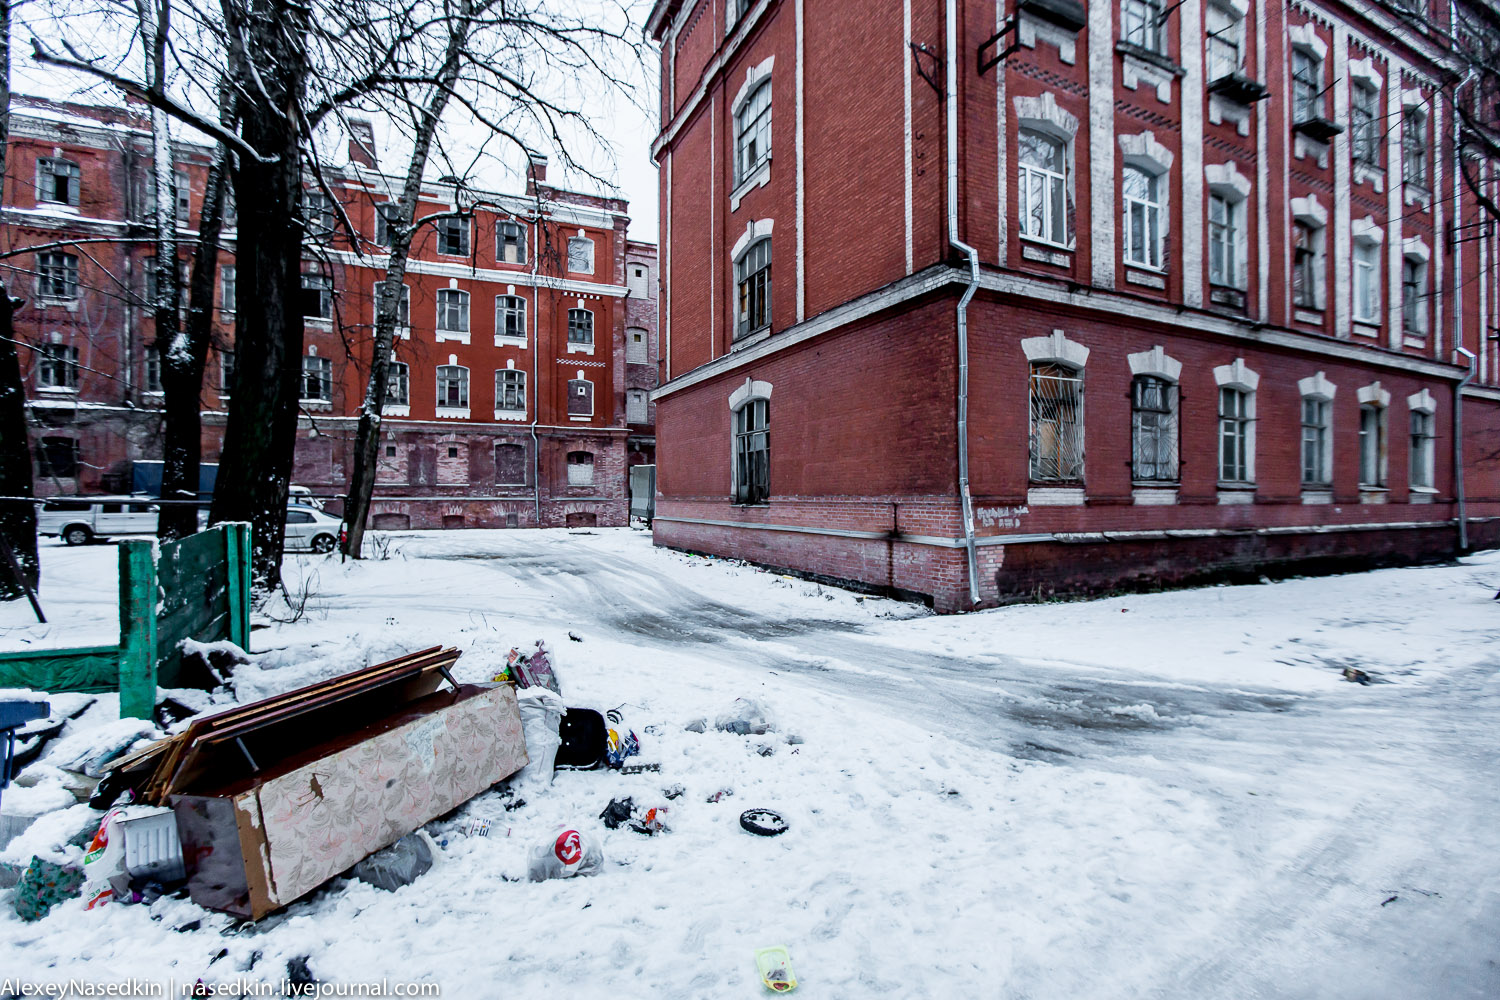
<point x="636" y="347"/>
<point x="753" y="278"/>
<point x="752" y="451"/>
<point x="580" y="468"/>
<point x="580" y="327"/>
<point x="752" y="131"/>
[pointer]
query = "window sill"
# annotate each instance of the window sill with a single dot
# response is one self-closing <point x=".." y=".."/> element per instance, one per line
<point x="1055" y="496"/>
<point x="580" y="419"/>
<point x="57" y="390"/>
<point x="590" y="271"/>
<point x="1373" y="494"/>
<point x="580" y="349"/>
<point x="317" y="322"/>
<point x="740" y="343"/>
<point x="519" y="415"/>
<point x="1043" y="252"/>
<point x="402" y="333"/>
<point x="462" y="336"/>
<point x="1137" y="274"/>
<point x="1311" y="315"/>
<point x="315" y="405"/>
<point x="501" y="341"/>
<point x="757" y="505"/>
<point x="1414" y="340"/>
<point x="1317" y="496"/>
<point x="1158" y="59"/>
<point x="1154" y="494"/>
<point x="1421" y="494"/>
<point x="48" y="302"/>
<point x="759" y="177"/>
<point x="452" y="413"/>
<point x="1042" y="241"/>
<point x="1236" y="494"/>
<point x="1365" y="328"/>
<point x="455" y="256"/>
<point x="395" y="410"/>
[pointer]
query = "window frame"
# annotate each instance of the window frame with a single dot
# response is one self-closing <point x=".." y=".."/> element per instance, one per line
<point x="1414" y="166"/>
<point x="46" y="167"/>
<point x="1056" y="230"/>
<point x="386" y="212"/>
<point x="398" y="374"/>
<point x="447" y="300"/>
<point x="1307" y="258"/>
<point x="57" y="367"/>
<point x="403" y="310"/>
<point x="447" y="228"/>
<point x="1364" y="129"/>
<point x="504" y="242"/>
<point x="1236" y="436"/>
<point x="1155" y="422"/>
<point x="1141" y="25"/>
<point x="318" y="215"/>
<point x="1068" y="428"/>
<point x="505" y="392"/>
<point x="1152" y="215"/>
<point x="57" y="269"/>
<point x="1224" y="241"/>
<point x="1231" y="37"/>
<point x="313" y="281"/>
<point x="452" y="376"/>
<point x="1316" y="442"/>
<point x="1372" y="446"/>
<point x="320" y="369"/>
<point x="1307" y="87"/>
<point x="753" y="289"/>
<point x="580" y="333"/>
<point x="1414" y="295"/>
<point x="752" y="133"/>
<point x="228" y="289"/>
<point x="1364" y="268"/>
<point x="508" y="306"/>
<point x="751" y="451"/>
<point x="1422" y="453"/>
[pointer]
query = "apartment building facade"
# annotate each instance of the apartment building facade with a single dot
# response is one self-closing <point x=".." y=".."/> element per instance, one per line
<point x="1007" y="299"/>
<point x="514" y="399"/>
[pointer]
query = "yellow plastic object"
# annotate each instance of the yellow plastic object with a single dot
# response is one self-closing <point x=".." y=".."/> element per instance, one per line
<point x="775" y="967"/>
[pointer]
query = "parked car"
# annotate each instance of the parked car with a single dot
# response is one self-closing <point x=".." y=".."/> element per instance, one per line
<point x="302" y="496"/>
<point x="310" y="528"/>
<point x="80" y="520"/>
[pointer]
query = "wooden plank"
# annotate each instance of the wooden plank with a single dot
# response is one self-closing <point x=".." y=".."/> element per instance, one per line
<point x="95" y="669"/>
<point x="137" y="628"/>
<point x="237" y="567"/>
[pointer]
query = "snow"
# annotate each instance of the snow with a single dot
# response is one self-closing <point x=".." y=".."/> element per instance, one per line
<point x="1165" y="795"/>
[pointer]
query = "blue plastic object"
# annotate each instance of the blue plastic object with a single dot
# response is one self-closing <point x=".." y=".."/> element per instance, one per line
<point x="14" y="715"/>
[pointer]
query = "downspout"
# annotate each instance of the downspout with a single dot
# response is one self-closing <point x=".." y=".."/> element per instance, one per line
<point x="1458" y="449"/>
<point x="951" y="99"/>
<point x="535" y="331"/>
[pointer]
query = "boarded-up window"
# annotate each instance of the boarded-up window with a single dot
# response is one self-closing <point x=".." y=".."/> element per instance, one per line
<point x="635" y="346"/>
<point x="314" y="461"/>
<point x="391" y="522"/>
<point x="580" y="468"/>
<point x="580" y="398"/>
<point x="57" y="457"/>
<point x="453" y="520"/>
<point x="453" y="464"/>
<point x="391" y="465"/>
<point x="510" y="465"/>
<point x="635" y="406"/>
<point x="582" y="519"/>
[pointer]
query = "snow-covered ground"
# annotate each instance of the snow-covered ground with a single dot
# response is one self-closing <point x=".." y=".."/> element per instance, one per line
<point x="1170" y="795"/>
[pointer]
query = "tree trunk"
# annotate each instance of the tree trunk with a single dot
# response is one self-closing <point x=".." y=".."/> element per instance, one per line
<point x="367" y="437"/>
<point x="182" y="365"/>
<point x="18" y="519"/>
<point x="268" y="62"/>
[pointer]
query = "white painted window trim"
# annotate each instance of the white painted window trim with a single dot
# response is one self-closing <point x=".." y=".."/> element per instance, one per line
<point x="755" y="230"/>
<point x="1238" y="377"/>
<point x="1305" y="37"/>
<point x="1421" y="402"/>
<point x="1041" y="114"/>
<point x="1055" y="347"/>
<point x="593" y="263"/>
<point x="1144" y="153"/>
<point x="1155" y="362"/>
<point x="1225" y="181"/>
<point x="1374" y="394"/>
<point x="1365" y="238"/>
<point x="752" y="389"/>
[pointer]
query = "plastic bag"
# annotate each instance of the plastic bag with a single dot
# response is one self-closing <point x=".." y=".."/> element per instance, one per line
<point x="621" y="742"/>
<point x="405" y="861"/>
<point x="541" y="714"/>
<point x="567" y="854"/>
<point x="746" y="717"/>
<point x="104" y="861"/>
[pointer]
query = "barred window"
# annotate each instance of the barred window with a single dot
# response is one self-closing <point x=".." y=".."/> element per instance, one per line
<point x="1153" y="415"/>
<point x="57" y="275"/>
<point x="510" y="390"/>
<point x="1056" y="397"/>
<point x="317" y="379"/>
<point x="510" y="316"/>
<point x="754" y="281"/>
<point x="752" y="452"/>
<point x="580" y="326"/>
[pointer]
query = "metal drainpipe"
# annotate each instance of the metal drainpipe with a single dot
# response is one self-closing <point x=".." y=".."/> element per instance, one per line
<point x="534" y="329"/>
<point x="951" y="98"/>
<point x="1458" y="448"/>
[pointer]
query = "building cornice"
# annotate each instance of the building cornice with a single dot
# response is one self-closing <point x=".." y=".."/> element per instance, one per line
<point x="1095" y="300"/>
<point x="465" y="272"/>
<point x="710" y="75"/>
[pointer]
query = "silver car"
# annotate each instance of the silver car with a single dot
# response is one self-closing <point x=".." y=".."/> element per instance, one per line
<point x="310" y="528"/>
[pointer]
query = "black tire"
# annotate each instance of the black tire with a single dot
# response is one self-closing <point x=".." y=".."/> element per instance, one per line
<point x="77" y="534"/>
<point x="762" y="822"/>
<point x="323" y="543"/>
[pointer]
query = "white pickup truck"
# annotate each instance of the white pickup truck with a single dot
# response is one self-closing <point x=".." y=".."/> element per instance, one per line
<point x="80" y="520"/>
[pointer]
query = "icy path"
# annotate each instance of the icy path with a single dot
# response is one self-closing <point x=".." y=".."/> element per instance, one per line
<point x="1169" y="795"/>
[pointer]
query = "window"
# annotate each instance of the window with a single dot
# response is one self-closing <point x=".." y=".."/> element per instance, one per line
<point x="403" y="308"/>
<point x="1223" y="241"/>
<point x="1143" y="219"/>
<point x="226" y="370"/>
<point x="182" y="191"/>
<point x="1421" y="449"/>
<point x="580" y="468"/>
<point x="510" y="242"/>
<point x="1307" y="265"/>
<point x="1414" y="295"/>
<point x="1315" y="441"/>
<point x="153" y="369"/>
<point x="227" y="290"/>
<point x="1141" y="24"/>
<point x="318" y="215"/>
<point x="317" y="379"/>
<point x="386" y="216"/>
<point x="753" y="276"/>
<point x="1043" y="166"/>
<point x="398" y="384"/>
<point x="1153" y="419"/>
<point x="639" y="282"/>
<point x="752" y="451"/>
<point x="453" y="237"/>
<point x="510" y="316"/>
<point x="1234" y="435"/>
<point x="1364" y="121"/>
<point x="57" y="366"/>
<point x="452" y="387"/>
<point x="580" y="397"/>
<point x="1307" y="86"/>
<point x="580" y="326"/>
<point x="636" y="352"/>
<point x="57" y="181"/>
<point x="148" y="280"/>
<point x="581" y="255"/>
<point x="57" y="458"/>
<point x="510" y="465"/>
<point x="1225" y="33"/>
<point x="1371" y="445"/>
<point x="452" y="311"/>
<point x="317" y="296"/>
<point x="1414" y="147"/>
<point x="57" y="275"/>
<point x="635" y="406"/>
<point x="1056" y="423"/>
<point x="1366" y="282"/>
<point x="510" y="390"/>
<point x="752" y="131"/>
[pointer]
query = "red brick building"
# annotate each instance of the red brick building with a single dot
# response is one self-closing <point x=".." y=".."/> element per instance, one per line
<point x="1160" y="292"/>
<point x="529" y="345"/>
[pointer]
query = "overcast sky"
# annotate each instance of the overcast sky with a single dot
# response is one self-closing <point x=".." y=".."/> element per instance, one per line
<point x="627" y="129"/>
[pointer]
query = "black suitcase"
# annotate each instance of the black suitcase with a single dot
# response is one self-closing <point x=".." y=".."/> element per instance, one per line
<point x="584" y="741"/>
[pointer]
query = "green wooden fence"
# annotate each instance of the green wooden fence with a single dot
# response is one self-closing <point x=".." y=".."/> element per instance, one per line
<point x="195" y="588"/>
